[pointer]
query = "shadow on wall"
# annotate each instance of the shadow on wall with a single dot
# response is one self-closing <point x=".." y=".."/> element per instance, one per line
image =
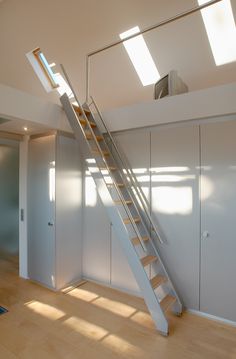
<point x="9" y="199"/>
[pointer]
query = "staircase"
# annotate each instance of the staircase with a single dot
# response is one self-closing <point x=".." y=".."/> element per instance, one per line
<point x="126" y="208"/>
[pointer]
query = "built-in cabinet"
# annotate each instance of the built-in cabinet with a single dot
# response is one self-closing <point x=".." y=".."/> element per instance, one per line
<point x="54" y="211"/>
<point x="175" y="205"/>
<point x="218" y="219"/>
<point x="188" y="172"/>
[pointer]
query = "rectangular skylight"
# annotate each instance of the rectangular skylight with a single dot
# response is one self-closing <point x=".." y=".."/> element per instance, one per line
<point x="140" y="56"/>
<point x="45" y="67"/>
<point x="221" y="30"/>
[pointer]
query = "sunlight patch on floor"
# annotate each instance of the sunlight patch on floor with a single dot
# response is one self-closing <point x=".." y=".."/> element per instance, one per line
<point x="85" y="328"/>
<point x="83" y="294"/>
<point x="121" y="345"/>
<point x="115" y="307"/>
<point x="45" y="310"/>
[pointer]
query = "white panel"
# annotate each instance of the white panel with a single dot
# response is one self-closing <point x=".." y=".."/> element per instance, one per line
<point x="121" y="274"/>
<point x="96" y="235"/>
<point x="175" y="203"/>
<point x="41" y="210"/>
<point x="218" y="264"/>
<point x="136" y="148"/>
<point x="68" y="212"/>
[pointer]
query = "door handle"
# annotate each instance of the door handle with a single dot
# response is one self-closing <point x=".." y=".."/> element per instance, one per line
<point x="205" y="235"/>
<point x="50" y="224"/>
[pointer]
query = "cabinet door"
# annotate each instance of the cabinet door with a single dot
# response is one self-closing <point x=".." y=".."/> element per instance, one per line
<point x="175" y="205"/>
<point x="218" y="219"/>
<point x="96" y="235"/>
<point x="136" y="148"/>
<point x="41" y="210"/>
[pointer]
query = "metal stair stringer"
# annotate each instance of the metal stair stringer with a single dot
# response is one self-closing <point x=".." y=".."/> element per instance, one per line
<point x="95" y="162"/>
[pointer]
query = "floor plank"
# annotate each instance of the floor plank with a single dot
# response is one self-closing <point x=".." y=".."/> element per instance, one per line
<point x="95" y="321"/>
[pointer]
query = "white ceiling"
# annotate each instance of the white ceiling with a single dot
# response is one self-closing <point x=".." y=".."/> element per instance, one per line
<point x="18" y="127"/>
<point x="67" y="30"/>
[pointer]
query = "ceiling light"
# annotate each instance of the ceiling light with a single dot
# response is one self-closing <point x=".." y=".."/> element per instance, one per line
<point x="140" y="56"/>
<point x="221" y="30"/>
<point x="25" y="128"/>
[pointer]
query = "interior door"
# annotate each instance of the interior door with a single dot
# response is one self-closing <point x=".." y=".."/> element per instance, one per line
<point x="218" y="219"/>
<point x="41" y="210"/>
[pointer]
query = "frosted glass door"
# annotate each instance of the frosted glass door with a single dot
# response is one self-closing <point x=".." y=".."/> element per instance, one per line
<point x="9" y="199"/>
<point x="42" y="210"/>
<point x="218" y="219"/>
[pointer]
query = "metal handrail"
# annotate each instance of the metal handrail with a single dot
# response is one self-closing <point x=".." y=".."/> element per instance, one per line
<point x="147" y="29"/>
<point x="105" y="162"/>
<point x="132" y="178"/>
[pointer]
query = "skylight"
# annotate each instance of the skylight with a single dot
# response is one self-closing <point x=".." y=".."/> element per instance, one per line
<point x="221" y="30"/>
<point x="45" y="67"/>
<point x="140" y="56"/>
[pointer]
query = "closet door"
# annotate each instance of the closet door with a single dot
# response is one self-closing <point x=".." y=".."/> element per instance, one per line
<point x="135" y="146"/>
<point x="96" y="234"/>
<point x="175" y="205"/>
<point x="218" y="219"/>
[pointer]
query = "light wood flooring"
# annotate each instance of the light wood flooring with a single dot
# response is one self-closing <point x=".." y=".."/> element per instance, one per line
<point x="96" y="322"/>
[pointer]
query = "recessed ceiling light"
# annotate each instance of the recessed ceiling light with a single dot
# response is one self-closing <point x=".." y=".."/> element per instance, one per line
<point x="25" y="128"/>
<point x="140" y="56"/>
<point x="221" y="30"/>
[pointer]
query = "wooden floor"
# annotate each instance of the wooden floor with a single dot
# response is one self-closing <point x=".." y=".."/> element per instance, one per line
<point x="95" y="322"/>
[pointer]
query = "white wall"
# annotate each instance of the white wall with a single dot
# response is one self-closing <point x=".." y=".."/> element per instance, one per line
<point x="215" y="101"/>
<point x="174" y="153"/>
<point x="182" y="45"/>
<point x="18" y="105"/>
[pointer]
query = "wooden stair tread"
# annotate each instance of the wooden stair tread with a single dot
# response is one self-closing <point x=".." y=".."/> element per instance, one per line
<point x="158" y="280"/>
<point x="128" y="221"/>
<point x="78" y="110"/>
<point x="120" y="202"/>
<point x="167" y="302"/>
<point x="118" y="184"/>
<point x="148" y="260"/>
<point x="89" y="136"/>
<point x="97" y="152"/>
<point x="136" y="240"/>
<point x="111" y="168"/>
<point x="84" y="123"/>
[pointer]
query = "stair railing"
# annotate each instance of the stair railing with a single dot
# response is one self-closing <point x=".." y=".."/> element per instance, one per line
<point x="130" y="177"/>
<point x="136" y="230"/>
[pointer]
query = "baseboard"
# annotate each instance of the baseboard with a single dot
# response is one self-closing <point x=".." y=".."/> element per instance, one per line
<point x="212" y="317"/>
<point x="70" y="286"/>
<point x="104" y="284"/>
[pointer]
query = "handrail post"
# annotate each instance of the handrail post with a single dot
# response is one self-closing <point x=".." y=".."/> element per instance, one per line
<point x="87" y="77"/>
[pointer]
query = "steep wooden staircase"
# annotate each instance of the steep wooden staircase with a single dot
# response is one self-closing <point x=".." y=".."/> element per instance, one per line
<point x="126" y="207"/>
